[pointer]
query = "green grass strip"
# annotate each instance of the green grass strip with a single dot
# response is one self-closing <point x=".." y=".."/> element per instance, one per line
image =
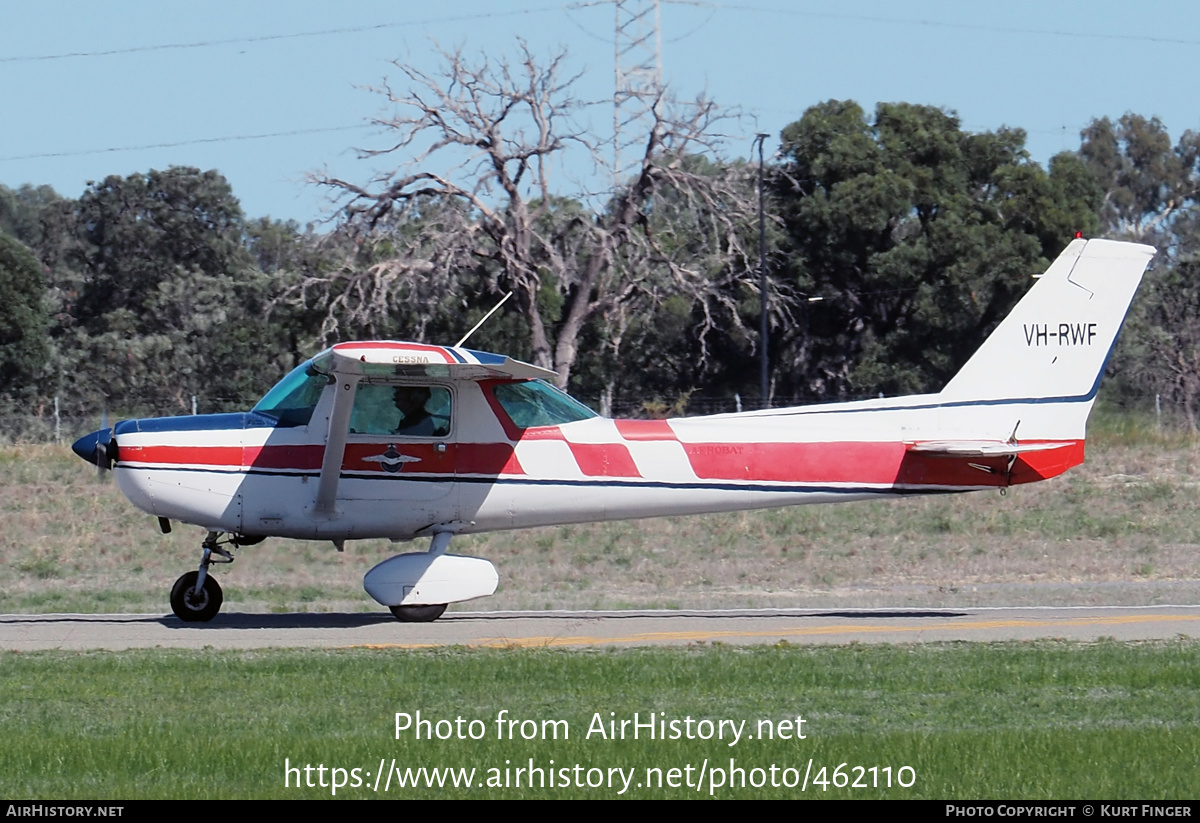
<point x="1012" y="721"/>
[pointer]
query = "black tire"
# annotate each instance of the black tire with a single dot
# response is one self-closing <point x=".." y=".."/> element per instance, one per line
<point x="416" y="614"/>
<point x="192" y="608"/>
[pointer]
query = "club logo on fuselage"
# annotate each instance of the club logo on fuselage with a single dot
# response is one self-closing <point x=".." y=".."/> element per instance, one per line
<point x="391" y="460"/>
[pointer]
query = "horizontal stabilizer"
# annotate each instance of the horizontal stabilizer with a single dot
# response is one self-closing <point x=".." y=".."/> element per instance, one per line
<point x="981" y="448"/>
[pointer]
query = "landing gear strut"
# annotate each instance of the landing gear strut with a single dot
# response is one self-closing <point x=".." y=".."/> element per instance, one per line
<point x="416" y="586"/>
<point x="196" y="597"/>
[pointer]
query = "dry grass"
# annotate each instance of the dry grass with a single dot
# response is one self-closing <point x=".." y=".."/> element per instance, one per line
<point x="1124" y="528"/>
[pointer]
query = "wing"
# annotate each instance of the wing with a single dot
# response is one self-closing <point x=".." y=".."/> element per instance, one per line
<point x="383" y="357"/>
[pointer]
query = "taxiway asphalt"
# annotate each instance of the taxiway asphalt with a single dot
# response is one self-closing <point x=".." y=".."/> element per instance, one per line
<point x="558" y="629"/>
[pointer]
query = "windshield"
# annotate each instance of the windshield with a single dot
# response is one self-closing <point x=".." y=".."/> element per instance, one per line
<point x="294" y="398"/>
<point x="536" y="403"/>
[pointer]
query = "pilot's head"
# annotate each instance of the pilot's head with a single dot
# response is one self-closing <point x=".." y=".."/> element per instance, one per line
<point x="410" y="399"/>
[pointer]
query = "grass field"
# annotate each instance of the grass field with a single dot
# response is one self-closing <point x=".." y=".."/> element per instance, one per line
<point x="1008" y="721"/>
<point x="1124" y="528"/>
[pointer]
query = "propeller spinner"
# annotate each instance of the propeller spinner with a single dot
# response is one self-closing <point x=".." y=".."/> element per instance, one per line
<point x="97" y="448"/>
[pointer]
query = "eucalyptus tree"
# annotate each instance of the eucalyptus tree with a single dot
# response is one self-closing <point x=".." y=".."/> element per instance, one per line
<point x="1152" y="194"/>
<point x="913" y="238"/>
<point x="24" y="319"/>
<point x="167" y="302"/>
<point x="1151" y="187"/>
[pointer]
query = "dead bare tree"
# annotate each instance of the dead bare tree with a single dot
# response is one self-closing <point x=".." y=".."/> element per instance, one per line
<point x="405" y="271"/>
<point x="489" y="137"/>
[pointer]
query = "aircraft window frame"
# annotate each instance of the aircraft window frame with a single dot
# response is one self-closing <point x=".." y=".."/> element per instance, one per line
<point x="384" y="419"/>
<point x="542" y="404"/>
<point x="287" y="402"/>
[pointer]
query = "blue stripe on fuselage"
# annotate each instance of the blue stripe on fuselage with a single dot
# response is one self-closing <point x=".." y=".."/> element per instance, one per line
<point x="197" y="422"/>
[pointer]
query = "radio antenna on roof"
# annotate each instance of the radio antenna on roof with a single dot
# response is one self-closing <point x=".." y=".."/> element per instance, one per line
<point x="484" y="320"/>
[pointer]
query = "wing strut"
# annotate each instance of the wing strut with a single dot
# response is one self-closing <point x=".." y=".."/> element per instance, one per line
<point x="335" y="444"/>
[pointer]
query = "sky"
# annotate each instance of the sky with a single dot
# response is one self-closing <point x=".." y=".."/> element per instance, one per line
<point x="270" y="94"/>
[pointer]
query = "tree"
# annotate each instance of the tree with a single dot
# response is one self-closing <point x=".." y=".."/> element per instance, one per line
<point x="917" y="236"/>
<point x="1152" y="195"/>
<point x="166" y="302"/>
<point x="397" y="279"/>
<point x="24" y="348"/>
<point x="283" y="256"/>
<point x="1161" y="352"/>
<point x="139" y="231"/>
<point x="485" y="138"/>
<point x="1151" y="188"/>
<point x="22" y="210"/>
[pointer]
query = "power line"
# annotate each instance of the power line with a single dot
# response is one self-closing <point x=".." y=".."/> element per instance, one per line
<point x="197" y="141"/>
<point x="269" y="37"/>
<point x="578" y="5"/>
<point x="862" y="18"/>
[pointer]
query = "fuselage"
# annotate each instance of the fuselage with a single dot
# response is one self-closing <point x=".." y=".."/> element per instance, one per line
<point x="255" y="474"/>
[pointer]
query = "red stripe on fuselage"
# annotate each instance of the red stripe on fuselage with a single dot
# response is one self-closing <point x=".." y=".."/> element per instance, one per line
<point x="646" y="430"/>
<point x="307" y="458"/>
<point x="871" y="463"/>
<point x="1033" y="466"/>
<point x="296" y="458"/>
<point x="924" y="469"/>
<point x="488" y="459"/>
<point x="411" y="458"/>
<point x="471" y="458"/>
<point x="847" y="462"/>
<point x="192" y="455"/>
<point x="604" y="460"/>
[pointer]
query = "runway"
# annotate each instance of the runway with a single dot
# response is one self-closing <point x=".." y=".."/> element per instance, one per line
<point x="576" y="629"/>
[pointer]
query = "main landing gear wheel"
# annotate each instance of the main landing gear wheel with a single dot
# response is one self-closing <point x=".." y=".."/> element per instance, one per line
<point x="414" y="614"/>
<point x="191" y="607"/>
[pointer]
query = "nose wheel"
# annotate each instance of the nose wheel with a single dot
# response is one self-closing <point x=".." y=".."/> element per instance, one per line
<point x="196" y="597"/>
<point x="192" y="606"/>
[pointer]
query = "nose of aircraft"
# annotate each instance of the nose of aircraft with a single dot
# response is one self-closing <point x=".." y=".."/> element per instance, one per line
<point x="97" y="448"/>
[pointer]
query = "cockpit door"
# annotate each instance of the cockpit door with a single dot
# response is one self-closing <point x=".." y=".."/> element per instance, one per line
<point x="400" y="443"/>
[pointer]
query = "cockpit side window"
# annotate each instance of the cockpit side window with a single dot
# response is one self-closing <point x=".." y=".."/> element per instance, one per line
<point x="404" y="410"/>
<point x="531" y="403"/>
<point x="292" y="401"/>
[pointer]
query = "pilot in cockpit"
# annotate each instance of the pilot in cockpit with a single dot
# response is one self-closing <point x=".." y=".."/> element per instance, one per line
<point x="415" y="419"/>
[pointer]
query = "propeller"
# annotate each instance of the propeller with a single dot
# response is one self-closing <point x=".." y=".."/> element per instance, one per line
<point x="98" y="448"/>
<point x="101" y="459"/>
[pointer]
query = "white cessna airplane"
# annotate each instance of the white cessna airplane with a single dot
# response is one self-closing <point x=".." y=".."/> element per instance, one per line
<point x="404" y="440"/>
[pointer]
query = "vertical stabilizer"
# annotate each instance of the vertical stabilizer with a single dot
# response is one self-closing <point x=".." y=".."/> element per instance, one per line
<point x="1053" y="346"/>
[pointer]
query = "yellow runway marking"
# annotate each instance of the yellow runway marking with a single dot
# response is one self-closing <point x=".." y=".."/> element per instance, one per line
<point x="551" y="641"/>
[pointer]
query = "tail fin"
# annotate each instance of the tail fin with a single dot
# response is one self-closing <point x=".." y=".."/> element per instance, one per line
<point x="1050" y="352"/>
